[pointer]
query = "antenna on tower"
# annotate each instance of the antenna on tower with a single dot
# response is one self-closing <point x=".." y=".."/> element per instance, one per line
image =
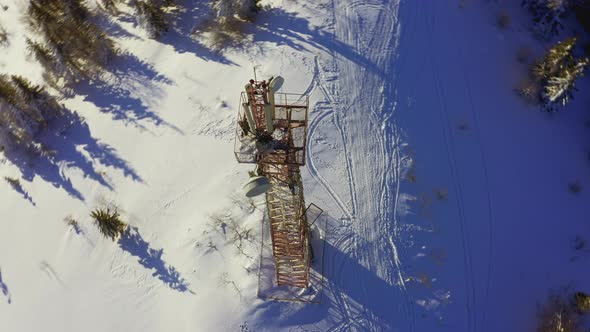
<point x="255" y="79"/>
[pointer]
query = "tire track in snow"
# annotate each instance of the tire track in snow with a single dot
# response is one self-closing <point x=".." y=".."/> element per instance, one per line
<point x="451" y="152"/>
<point x="375" y="224"/>
<point x="348" y="243"/>
<point x="489" y="202"/>
<point x="316" y="82"/>
<point x="314" y="171"/>
<point x="482" y="154"/>
<point x="380" y="154"/>
<point x="468" y="267"/>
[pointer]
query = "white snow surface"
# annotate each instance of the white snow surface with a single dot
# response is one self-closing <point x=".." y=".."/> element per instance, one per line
<point x="446" y="197"/>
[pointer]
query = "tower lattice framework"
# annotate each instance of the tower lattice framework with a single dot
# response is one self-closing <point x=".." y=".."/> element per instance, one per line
<point x="277" y="145"/>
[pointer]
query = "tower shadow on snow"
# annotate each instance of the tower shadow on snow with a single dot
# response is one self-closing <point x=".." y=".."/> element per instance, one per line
<point x="373" y="299"/>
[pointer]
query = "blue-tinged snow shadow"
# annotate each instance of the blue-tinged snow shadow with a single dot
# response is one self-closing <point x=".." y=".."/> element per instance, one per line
<point x="4" y="289"/>
<point x="353" y="297"/>
<point x="126" y="90"/>
<point x="181" y="33"/>
<point x="69" y="144"/>
<point x="132" y="242"/>
<point x="275" y="25"/>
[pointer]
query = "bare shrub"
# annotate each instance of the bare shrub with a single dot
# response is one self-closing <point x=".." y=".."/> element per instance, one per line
<point x="442" y="194"/>
<point x="244" y="327"/>
<point x="530" y="91"/>
<point x="523" y="54"/>
<point x="244" y="203"/>
<point x="575" y="187"/>
<point x="109" y="223"/>
<point x="579" y="243"/>
<point x="234" y="232"/>
<point x="226" y="30"/>
<point x="3" y="36"/>
<point x="463" y="126"/>
<point x="503" y="20"/>
<point x="224" y="280"/>
<point x="73" y="223"/>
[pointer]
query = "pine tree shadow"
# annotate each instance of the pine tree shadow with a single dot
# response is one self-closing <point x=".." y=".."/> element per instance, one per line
<point x="181" y="32"/>
<point x="132" y="242"/>
<point x="4" y="289"/>
<point x="127" y="91"/>
<point x="68" y="144"/>
<point x="20" y="190"/>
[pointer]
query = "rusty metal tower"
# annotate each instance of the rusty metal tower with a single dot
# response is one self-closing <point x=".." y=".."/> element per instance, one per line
<point x="272" y="133"/>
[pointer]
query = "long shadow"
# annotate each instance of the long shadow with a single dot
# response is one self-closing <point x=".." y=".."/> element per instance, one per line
<point x="20" y="190"/>
<point x="125" y="89"/>
<point x="133" y="243"/>
<point x="4" y="289"/>
<point x="180" y="34"/>
<point x="353" y="296"/>
<point x="68" y="143"/>
<point x="280" y="27"/>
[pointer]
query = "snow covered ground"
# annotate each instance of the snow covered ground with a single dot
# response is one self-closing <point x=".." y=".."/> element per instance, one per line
<point x="446" y="197"/>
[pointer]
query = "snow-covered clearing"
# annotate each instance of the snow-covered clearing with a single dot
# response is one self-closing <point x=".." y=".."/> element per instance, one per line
<point x="446" y="197"/>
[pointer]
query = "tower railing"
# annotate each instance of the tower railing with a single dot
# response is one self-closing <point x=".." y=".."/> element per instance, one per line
<point x="291" y="118"/>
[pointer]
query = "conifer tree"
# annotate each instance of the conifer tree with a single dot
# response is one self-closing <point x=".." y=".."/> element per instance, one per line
<point x="25" y="108"/>
<point x="547" y="15"/>
<point x="72" y="43"/>
<point x="152" y="17"/>
<point x="554" y="58"/>
<point x="109" y="222"/>
<point x="110" y="6"/>
<point x="3" y="36"/>
<point x="228" y="9"/>
<point x="558" y="71"/>
<point x="560" y="87"/>
<point x="247" y="9"/>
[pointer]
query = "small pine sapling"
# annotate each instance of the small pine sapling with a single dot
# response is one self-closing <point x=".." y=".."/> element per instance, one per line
<point x="14" y="183"/>
<point x="109" y="222"/>
<point x="3" y="36"/>
<point x="523" y="54"/>
<point x="503" y="20"/>
<point x="575" y="187"/>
